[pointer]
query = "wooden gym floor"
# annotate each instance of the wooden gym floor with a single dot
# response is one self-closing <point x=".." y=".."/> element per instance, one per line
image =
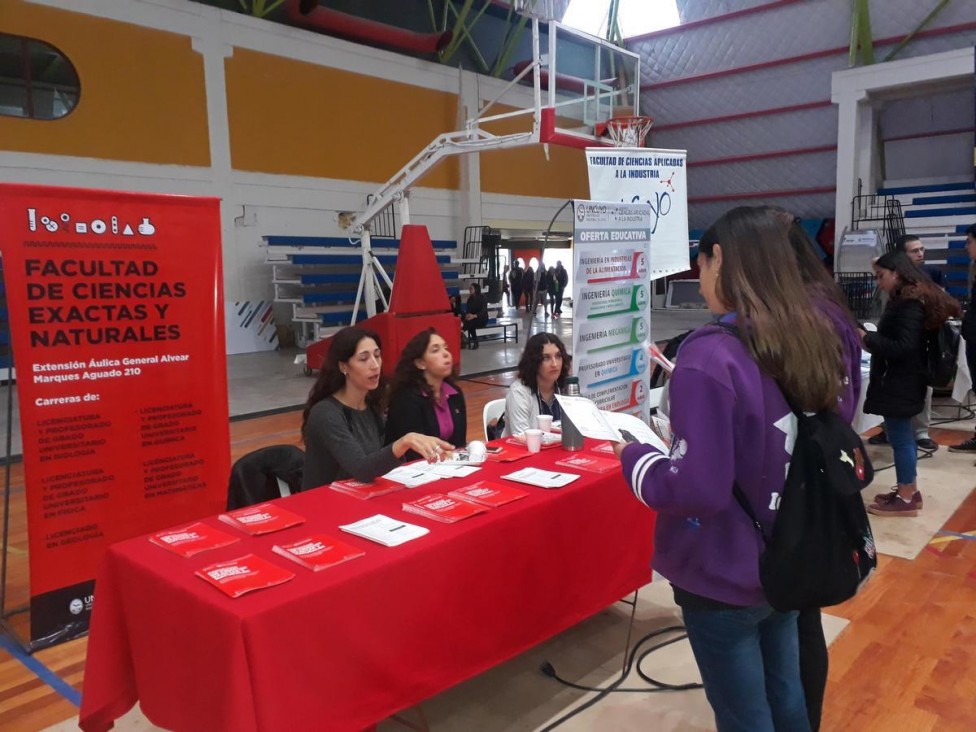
<point x="906" y="662"/>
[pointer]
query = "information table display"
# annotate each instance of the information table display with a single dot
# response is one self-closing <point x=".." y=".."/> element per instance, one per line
<point x="345" y="647"/>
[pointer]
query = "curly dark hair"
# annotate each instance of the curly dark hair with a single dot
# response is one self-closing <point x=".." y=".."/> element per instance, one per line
<point x="917" y="285"/>
<point x="528" y="366"/>
<point x="331" y="379"/>
<point x="407" y="376"/>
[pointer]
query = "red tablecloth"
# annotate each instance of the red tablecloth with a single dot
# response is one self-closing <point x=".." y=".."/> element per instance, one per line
<point x="346" y="647"/>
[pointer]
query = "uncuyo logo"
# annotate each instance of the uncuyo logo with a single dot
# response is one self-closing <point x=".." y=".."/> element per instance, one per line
<point x="76" y="606"/>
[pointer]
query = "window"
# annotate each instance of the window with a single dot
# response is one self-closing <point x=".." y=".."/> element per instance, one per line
<point x="635" y="17"/>
<point x="37" y="81"/>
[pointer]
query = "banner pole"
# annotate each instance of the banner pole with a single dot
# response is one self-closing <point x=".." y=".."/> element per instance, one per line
<point x="6" y="480"/>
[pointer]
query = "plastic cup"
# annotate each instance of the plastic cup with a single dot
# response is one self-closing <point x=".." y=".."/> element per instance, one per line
<point x="476" y="451"/>
<point x="533" y="440"/>
<point x="544" y="422"/>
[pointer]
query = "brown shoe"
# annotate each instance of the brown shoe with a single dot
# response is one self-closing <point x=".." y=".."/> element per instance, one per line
<point x="882" y="497"/>
<point x="894" y="506"/>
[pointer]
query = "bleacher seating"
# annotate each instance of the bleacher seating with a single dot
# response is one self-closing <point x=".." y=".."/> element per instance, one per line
<point x="319" y="277"/>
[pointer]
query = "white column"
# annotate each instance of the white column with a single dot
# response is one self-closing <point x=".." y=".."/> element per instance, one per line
<point x="214" y="52"/>
<point x="470" y="213"/>
<point x="852" y="109"/>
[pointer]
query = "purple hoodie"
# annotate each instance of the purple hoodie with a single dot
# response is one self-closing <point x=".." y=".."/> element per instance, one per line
<point x="730" y="423"/>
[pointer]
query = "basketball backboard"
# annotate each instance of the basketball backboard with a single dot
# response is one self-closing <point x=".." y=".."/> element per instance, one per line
<point x="569" y="85"/>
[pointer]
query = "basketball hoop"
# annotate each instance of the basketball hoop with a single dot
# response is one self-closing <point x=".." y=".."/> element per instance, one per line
<point x="629" y="131"/>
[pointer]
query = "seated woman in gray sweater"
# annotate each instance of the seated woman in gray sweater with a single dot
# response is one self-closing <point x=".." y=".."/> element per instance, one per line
<point x="342" y="425"/>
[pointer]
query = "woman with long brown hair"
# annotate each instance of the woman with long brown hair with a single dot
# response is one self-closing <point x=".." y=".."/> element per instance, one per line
<point x="423" y="396"/>
<point x="897" y="385"/>
<point x="342" y="424"/>
<point x="731" y="424"/>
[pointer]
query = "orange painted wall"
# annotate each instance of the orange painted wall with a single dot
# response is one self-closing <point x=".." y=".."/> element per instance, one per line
<point x="524" y="171"/>
<point x="297" y="118"/>
<point x="142" y="91"/>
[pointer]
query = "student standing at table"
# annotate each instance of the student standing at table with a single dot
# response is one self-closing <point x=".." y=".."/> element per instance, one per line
<point x="542" y="373"/>
<point x="342" y="425"/>
<point x="423" y="396"/>
<point x="969" y="335"/>
<point x="896" y="389"/>
<point x="915" y="249"/>
<point x="732" y="424"/>
<point x="830" y="300"/>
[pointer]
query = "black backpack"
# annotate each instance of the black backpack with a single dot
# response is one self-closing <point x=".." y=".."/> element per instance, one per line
<point x="821" y="548"/>
<point x="941" y="350"/>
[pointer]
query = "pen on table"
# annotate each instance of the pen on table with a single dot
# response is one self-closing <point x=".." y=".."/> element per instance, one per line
<point x="401" y="526"/>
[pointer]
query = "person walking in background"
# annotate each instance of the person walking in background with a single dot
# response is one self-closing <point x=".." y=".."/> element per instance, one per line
<point x="560" y="279"/>
<point x="913" y="247"/>
<point x="515" y="282"/>
<point x="528" y="286"/>
<point x="969" y="335"/>
<point x="896" y="389"/>
<point x="423" y="396"/>
<point x="505" y="290"/>
<point x="732" y="425"/>
<point x="541" y="290"/>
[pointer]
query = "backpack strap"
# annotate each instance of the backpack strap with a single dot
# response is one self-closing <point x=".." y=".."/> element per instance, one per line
<point x="743" y="502"/>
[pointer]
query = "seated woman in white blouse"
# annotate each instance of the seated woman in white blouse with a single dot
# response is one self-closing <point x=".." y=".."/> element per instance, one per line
<point x="542" y="372"/>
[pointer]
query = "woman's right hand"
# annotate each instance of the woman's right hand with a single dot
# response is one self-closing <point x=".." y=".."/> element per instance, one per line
<point x="432" y="449"/>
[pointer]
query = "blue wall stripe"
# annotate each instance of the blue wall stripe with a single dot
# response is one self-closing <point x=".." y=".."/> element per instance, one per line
<point x="41" y="671"/>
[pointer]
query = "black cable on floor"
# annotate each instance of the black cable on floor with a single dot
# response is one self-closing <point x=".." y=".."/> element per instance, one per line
<point x="632" y="660"/>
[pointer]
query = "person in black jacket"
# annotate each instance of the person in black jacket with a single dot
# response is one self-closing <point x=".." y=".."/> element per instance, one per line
<point x="969" y="335"/>
<point x="896" y="390"/>
<point x="423" y="396"/>
<point x="476" y="314"/>
<point x="560" y="278"/>
<point x="911" y="245"/>
<point x="515" y="282"/>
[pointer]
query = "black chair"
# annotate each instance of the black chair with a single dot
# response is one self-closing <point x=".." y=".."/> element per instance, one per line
<point x="254" y="477"/>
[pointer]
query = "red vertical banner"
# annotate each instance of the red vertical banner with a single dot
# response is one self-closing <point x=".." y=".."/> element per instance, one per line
<point x="115" y="306"/>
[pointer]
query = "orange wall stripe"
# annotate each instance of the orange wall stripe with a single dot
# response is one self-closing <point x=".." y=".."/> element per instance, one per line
<point x="296" y="118"/>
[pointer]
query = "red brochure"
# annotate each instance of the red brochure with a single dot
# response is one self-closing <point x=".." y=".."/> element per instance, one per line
<point x="443" y="508"/>
<point x="590" y="463"/>
<point x="245" y="574"/>
<point x="486" y="493"/>
<point x="261" y="519"/>
<point x="192" y="539"/>
<point x="378" y="487"/>
<point x="318" y="552"/>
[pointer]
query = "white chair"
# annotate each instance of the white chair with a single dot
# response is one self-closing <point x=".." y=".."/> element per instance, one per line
<point x="493" y="410"/>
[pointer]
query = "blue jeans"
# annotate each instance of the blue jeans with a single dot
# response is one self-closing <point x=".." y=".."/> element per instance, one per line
<point x="749" y="662"/>
<point x="901" y="436"/>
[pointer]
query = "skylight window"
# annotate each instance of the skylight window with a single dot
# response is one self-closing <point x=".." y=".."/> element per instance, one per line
<point x="636" y="17"/>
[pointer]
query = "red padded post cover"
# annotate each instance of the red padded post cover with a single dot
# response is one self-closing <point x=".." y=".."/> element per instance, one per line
<point x="418" y="288"/>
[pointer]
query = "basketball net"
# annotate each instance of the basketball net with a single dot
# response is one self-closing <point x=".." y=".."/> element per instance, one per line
<point x="629" y="131"/>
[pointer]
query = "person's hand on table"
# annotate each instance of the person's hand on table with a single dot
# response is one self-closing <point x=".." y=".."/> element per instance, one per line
<point x="618" y="447"/>
<point x="432" y="449"/>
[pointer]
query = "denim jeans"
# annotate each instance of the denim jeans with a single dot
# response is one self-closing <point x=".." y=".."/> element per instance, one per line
<point x="749" y="662"/>
<point x="901" y="436"/>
